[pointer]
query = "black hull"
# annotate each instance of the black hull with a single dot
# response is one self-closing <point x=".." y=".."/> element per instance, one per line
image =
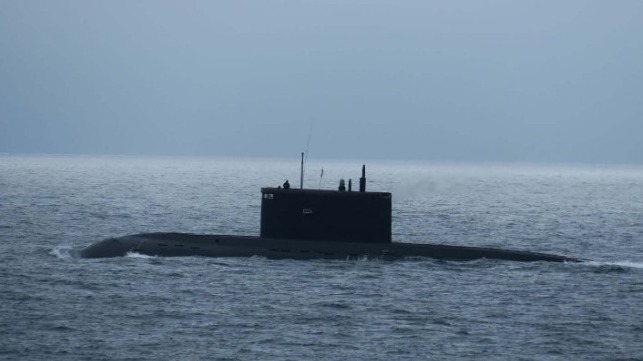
<point x="185" y="244"/>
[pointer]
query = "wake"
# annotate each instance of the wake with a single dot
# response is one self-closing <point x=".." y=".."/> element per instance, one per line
<point x="622" y="264"/>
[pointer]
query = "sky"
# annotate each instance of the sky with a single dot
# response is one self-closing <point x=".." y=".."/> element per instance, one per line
<point x="464" y="80"/>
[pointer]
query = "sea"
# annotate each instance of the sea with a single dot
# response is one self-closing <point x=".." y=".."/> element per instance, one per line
<point x="54" y="306"/>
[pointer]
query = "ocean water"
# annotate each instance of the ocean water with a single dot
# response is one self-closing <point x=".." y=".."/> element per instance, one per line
<point x="56" y="307"/>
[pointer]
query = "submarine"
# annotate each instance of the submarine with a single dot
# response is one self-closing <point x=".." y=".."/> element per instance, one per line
<point x="310" y="224"/>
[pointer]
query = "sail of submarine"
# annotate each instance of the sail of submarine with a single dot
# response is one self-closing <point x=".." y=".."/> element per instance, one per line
<point x="309" y="224"/>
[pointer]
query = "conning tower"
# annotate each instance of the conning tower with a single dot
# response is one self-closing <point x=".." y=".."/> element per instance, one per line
<point x="327" y="215"/>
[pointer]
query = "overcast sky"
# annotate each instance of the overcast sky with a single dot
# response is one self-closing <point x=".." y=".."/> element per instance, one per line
<point x="544" y="81"/>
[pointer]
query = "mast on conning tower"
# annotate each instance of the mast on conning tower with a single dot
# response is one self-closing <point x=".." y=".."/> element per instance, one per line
<point x="362" y="180"/>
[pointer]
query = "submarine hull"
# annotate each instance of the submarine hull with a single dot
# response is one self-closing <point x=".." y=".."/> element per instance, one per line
<point x="186" y="244"/>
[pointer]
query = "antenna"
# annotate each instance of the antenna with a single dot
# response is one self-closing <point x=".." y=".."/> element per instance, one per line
<point x="301" y="176"/>
<point x="304" y="161"/>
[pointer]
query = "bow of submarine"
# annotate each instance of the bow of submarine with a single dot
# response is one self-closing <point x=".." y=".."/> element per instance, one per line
<point x="110" y="247"/>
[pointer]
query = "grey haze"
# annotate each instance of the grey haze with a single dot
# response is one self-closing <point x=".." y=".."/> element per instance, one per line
<point x="545" y="81"/>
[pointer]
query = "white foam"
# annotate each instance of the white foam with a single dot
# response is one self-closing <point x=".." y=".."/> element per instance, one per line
<point x="137" y="255"/>
<point x="62" y="252"/>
